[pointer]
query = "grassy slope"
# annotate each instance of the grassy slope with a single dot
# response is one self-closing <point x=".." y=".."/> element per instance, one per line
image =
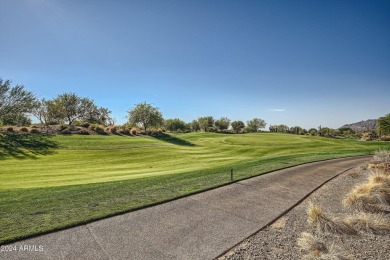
<point x="42" y="193"/>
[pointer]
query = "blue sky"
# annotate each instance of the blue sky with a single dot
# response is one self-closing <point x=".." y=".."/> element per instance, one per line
<point x="305" y="63"/>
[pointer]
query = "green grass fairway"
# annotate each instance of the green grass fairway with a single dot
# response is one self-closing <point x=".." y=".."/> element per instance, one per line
<point x="56" y="182"/>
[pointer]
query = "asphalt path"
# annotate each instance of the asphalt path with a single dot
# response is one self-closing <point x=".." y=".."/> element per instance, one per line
<point x="201" y="226"/>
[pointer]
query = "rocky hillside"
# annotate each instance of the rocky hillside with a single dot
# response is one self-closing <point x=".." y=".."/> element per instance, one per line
<point x="362" y="125"/>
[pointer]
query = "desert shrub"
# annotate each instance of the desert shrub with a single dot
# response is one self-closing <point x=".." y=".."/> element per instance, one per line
<point x="66" y="132"/>
<point x="72" y="128"/>
<point x="315" y="249"/>
<point x="100" y="130"/>
<point x="92" y="127"/>
<point x="24" y="129"/>
<point x="77" y="123"/>
<point x="85" y="124"/>
<point x="63" y="127"/>
<point x="133" y="131"/>
<point x="83" y="132"/>
<point x="368" y="136"/>
<point x="379" y="178"/>
<point x="328" y="224"/>
<point x="35" y="131"/>
<point x="373" y="223"/>
<point x="114" y="130"/>
<point x="125" y="131"/>
<point x="311" y="245"/>
<point x="368" y="197"/>
<point x="385" y="138"/>
<point x="97" y="128"/>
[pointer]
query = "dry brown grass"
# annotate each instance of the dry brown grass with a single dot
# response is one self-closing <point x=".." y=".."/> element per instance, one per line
<point x="328" y="224"/>
<point x="369" y="196"/>
<point x="313" y="246"/>
<point x="379" y="178"/>
<point x="316" y="249"/>
<point x="337" y="253"/>
<point x="373" y="223"/>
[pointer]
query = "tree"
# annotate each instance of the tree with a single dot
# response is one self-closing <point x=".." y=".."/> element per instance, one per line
<point x="327" y="132"/>
<point x="145" y="116"/>
<point x="91" y="113"/>
<point x="313" y="131"/>
<point x="302" y="131"/>
<point x="296" y="130"/>
<point x="255" y="124"/>
<point x="282" y="128"/>
<point x="104" y="117"/>
<point x="175" y="125"/>
<point x="15" y="101"/>
<point x="88" y="111"/>
<point x="69" y="107"/>
<point x="66" y="107"/>
<point x="383" y="125"/>
<point x="206" y="123"/>
<point x="195" y="126"/>
<point x="238" y="126"/>
<point x="44" y="112"/>
<point x="222" y="124"/>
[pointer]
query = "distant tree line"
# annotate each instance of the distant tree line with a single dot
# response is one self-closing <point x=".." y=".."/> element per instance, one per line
<point x="18" y="104"/>
<point x="145" y="116"/>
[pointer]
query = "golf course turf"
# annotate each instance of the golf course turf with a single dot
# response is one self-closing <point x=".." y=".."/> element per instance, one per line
<point x="52" y="182"/>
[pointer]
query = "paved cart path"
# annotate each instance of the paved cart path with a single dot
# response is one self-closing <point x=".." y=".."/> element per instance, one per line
<point x="201" y="226"/>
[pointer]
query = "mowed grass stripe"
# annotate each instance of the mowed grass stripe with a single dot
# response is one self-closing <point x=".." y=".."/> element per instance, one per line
<point x="77" y="184"/>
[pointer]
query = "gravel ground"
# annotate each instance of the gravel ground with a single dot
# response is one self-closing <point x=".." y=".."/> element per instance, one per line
<point x="279" y="241"/>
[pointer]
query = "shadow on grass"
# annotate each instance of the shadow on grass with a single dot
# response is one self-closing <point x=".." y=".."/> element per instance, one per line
<point x="173" y="140"/>
<point x="26" y="146"/>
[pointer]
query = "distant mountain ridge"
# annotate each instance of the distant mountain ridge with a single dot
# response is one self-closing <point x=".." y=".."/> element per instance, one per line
<point x="366" y="125"/>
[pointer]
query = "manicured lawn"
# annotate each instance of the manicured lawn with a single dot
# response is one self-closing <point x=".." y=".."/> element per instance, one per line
<point x="76" y="179"/>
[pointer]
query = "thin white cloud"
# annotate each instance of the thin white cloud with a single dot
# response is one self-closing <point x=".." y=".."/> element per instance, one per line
<point x="277" y="109"/>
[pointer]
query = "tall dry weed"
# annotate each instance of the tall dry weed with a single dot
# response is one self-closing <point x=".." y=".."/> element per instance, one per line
<point x="373" y="223"/>
<point x="315" y="249"/>
<point x="328" y="224"/>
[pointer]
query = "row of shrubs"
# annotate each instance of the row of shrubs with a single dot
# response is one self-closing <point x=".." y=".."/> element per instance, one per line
<point x="369" y="203"/>
<point x="11" y="129"/>
<point x="83" y="130"/>
<point x="87" y="129"/>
